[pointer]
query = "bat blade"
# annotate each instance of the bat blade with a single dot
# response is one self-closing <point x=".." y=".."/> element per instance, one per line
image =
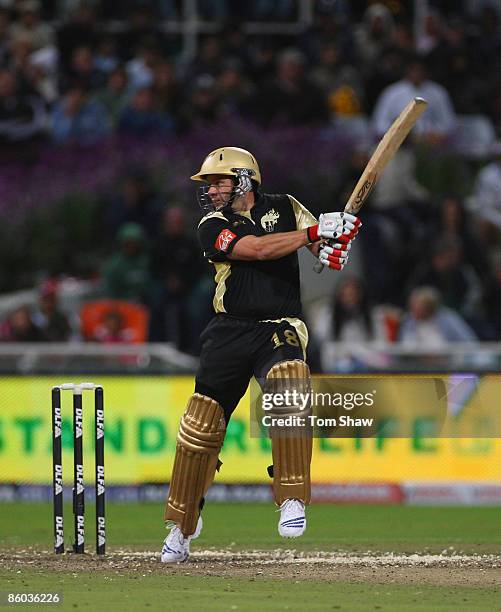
<point x="386" y="149"/>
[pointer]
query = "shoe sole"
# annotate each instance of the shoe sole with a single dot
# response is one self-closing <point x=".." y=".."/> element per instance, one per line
<point x="291" y="536"/>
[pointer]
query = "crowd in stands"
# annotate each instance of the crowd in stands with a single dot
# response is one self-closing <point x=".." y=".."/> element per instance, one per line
<point x="69" y="78"/>
<point x="77" y="80"/>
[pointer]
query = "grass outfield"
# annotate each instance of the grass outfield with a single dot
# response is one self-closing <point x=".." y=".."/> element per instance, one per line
<point x="330" y="527"/>
<point x="133" y="580"/>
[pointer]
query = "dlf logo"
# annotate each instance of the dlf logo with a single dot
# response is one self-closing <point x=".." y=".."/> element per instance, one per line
<point x="99" y="423"/>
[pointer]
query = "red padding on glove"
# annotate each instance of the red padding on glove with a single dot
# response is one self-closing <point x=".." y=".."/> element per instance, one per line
<point x="312" y="233"/>
<point x="343" y="239"/>
<point x="336" y="259"/>
<point x="335" y="266"/>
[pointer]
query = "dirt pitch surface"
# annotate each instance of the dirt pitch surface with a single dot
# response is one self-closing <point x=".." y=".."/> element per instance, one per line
<point x="446" y="569"/>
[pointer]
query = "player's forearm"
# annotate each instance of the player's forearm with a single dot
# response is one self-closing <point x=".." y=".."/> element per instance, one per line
<point x="274" y="246"/>
<point x="281" y="244"/>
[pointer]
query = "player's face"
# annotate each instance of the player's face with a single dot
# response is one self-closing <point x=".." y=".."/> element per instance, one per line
<point x="219" y="191"/>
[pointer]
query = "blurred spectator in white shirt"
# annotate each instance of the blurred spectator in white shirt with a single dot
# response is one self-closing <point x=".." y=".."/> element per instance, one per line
<point x="486" y="199"/>
<point x="430" y="33"/>
<point x="398" y="184"/>
<point x="430" y="325"/>
<point x="374" y="34"/>
<point x="437" y="122"/>
<point x="30" y="25"/>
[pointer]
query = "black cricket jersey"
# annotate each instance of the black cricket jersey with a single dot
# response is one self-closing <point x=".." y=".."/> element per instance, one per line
<point x="255" y="289"/>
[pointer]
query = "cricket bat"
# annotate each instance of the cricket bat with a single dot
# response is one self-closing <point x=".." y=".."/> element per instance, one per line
<point x="386" y="149"/>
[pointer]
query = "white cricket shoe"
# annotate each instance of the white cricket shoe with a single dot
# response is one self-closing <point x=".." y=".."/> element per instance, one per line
<point x="292" y="521"/>
<point x="176" y="548"/>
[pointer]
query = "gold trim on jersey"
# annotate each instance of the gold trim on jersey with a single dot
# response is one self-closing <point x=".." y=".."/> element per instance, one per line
<point x="212" y="215"/>
<point x="299" y="326"/>
<point x="223" y="271"/>
<point x="246" y="214"/>
<point x="304" y="218"/>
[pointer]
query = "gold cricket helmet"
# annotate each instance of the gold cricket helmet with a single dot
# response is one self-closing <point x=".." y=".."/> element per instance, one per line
<point x="226" y="161"/>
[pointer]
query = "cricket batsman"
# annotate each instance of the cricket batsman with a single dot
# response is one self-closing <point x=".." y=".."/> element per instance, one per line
<point x="252" y="239"/>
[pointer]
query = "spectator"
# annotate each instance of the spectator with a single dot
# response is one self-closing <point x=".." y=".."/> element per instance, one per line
<point x="492" y="102"/>
<point x="23" y="121"/>
<point x="388" y="70"/>
<point x="290" y="98"/>
<point x="78" y="119"/>
<point x="438" y="121"/>
<point x="204" y="106"/>
<point x="142" y="117"/>
<point x="262" y="61"/>
<point x="237" y="48"/>
<point x="126" y="272"/>
<point x="140" y="69"/>
<point x="492" y="299"/>
<point x="21" y="50"/>
<point x="486" y="199"/>
<point x="106" y="59"/>
<point x="114" y="95"/>
<point x="455" y="224"/>
<point x="402" y="39"/>
<point x="340" y="82"/>
<point x="447" y="271"/>
<point x="272" y="10"/>
<point x="430" y="40"/>
<point x="112" y="329"/>
<point x="429" y="325"/>
<point x="19" y="327"/>
<point x="455" y="65"/>
<point x="137" y="203"/>
<point x="352" y="319"/>
<point x="30" y="25"/>
<point x="41" y="74"/>
<point x="373" y="35"/>
<point x="80" y="31"/>
<point x="233" y="90"/>
<point x="141" y="31"/>
<point x="166" y="92"/>
<point x="398" y="185"/>
<point x="208" y="60"/>
<point x="48" y="316"/>
<point x="82" y="70"/>
<point x="175" y="270"/>
<point x="5" y="25"/>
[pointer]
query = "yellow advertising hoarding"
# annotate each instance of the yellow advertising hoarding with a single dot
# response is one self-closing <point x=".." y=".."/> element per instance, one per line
<point x="141" y="419"/>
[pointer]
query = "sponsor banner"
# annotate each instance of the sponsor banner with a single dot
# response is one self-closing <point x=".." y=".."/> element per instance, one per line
<point x="412" y="494"/>
<point x="127" y="494"/>
<point x="444" y="494"/>
<point x="358" y="493"/>
<point x="141" y="420"/>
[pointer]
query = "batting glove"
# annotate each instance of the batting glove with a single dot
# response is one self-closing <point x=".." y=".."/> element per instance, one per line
<point x="334" y="254"/>
<point x="340" y="226"/>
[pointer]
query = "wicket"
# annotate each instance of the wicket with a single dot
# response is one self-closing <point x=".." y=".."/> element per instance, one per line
<point x="78" y="479"/>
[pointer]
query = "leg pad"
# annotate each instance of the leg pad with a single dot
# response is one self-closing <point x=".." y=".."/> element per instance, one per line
<point x="292" y="447"/>
<point x="199" y="441"/>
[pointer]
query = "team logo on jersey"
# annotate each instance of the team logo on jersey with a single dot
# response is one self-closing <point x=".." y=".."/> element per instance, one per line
<point x="269" y="220"/>
<point x="224" y="239"/>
